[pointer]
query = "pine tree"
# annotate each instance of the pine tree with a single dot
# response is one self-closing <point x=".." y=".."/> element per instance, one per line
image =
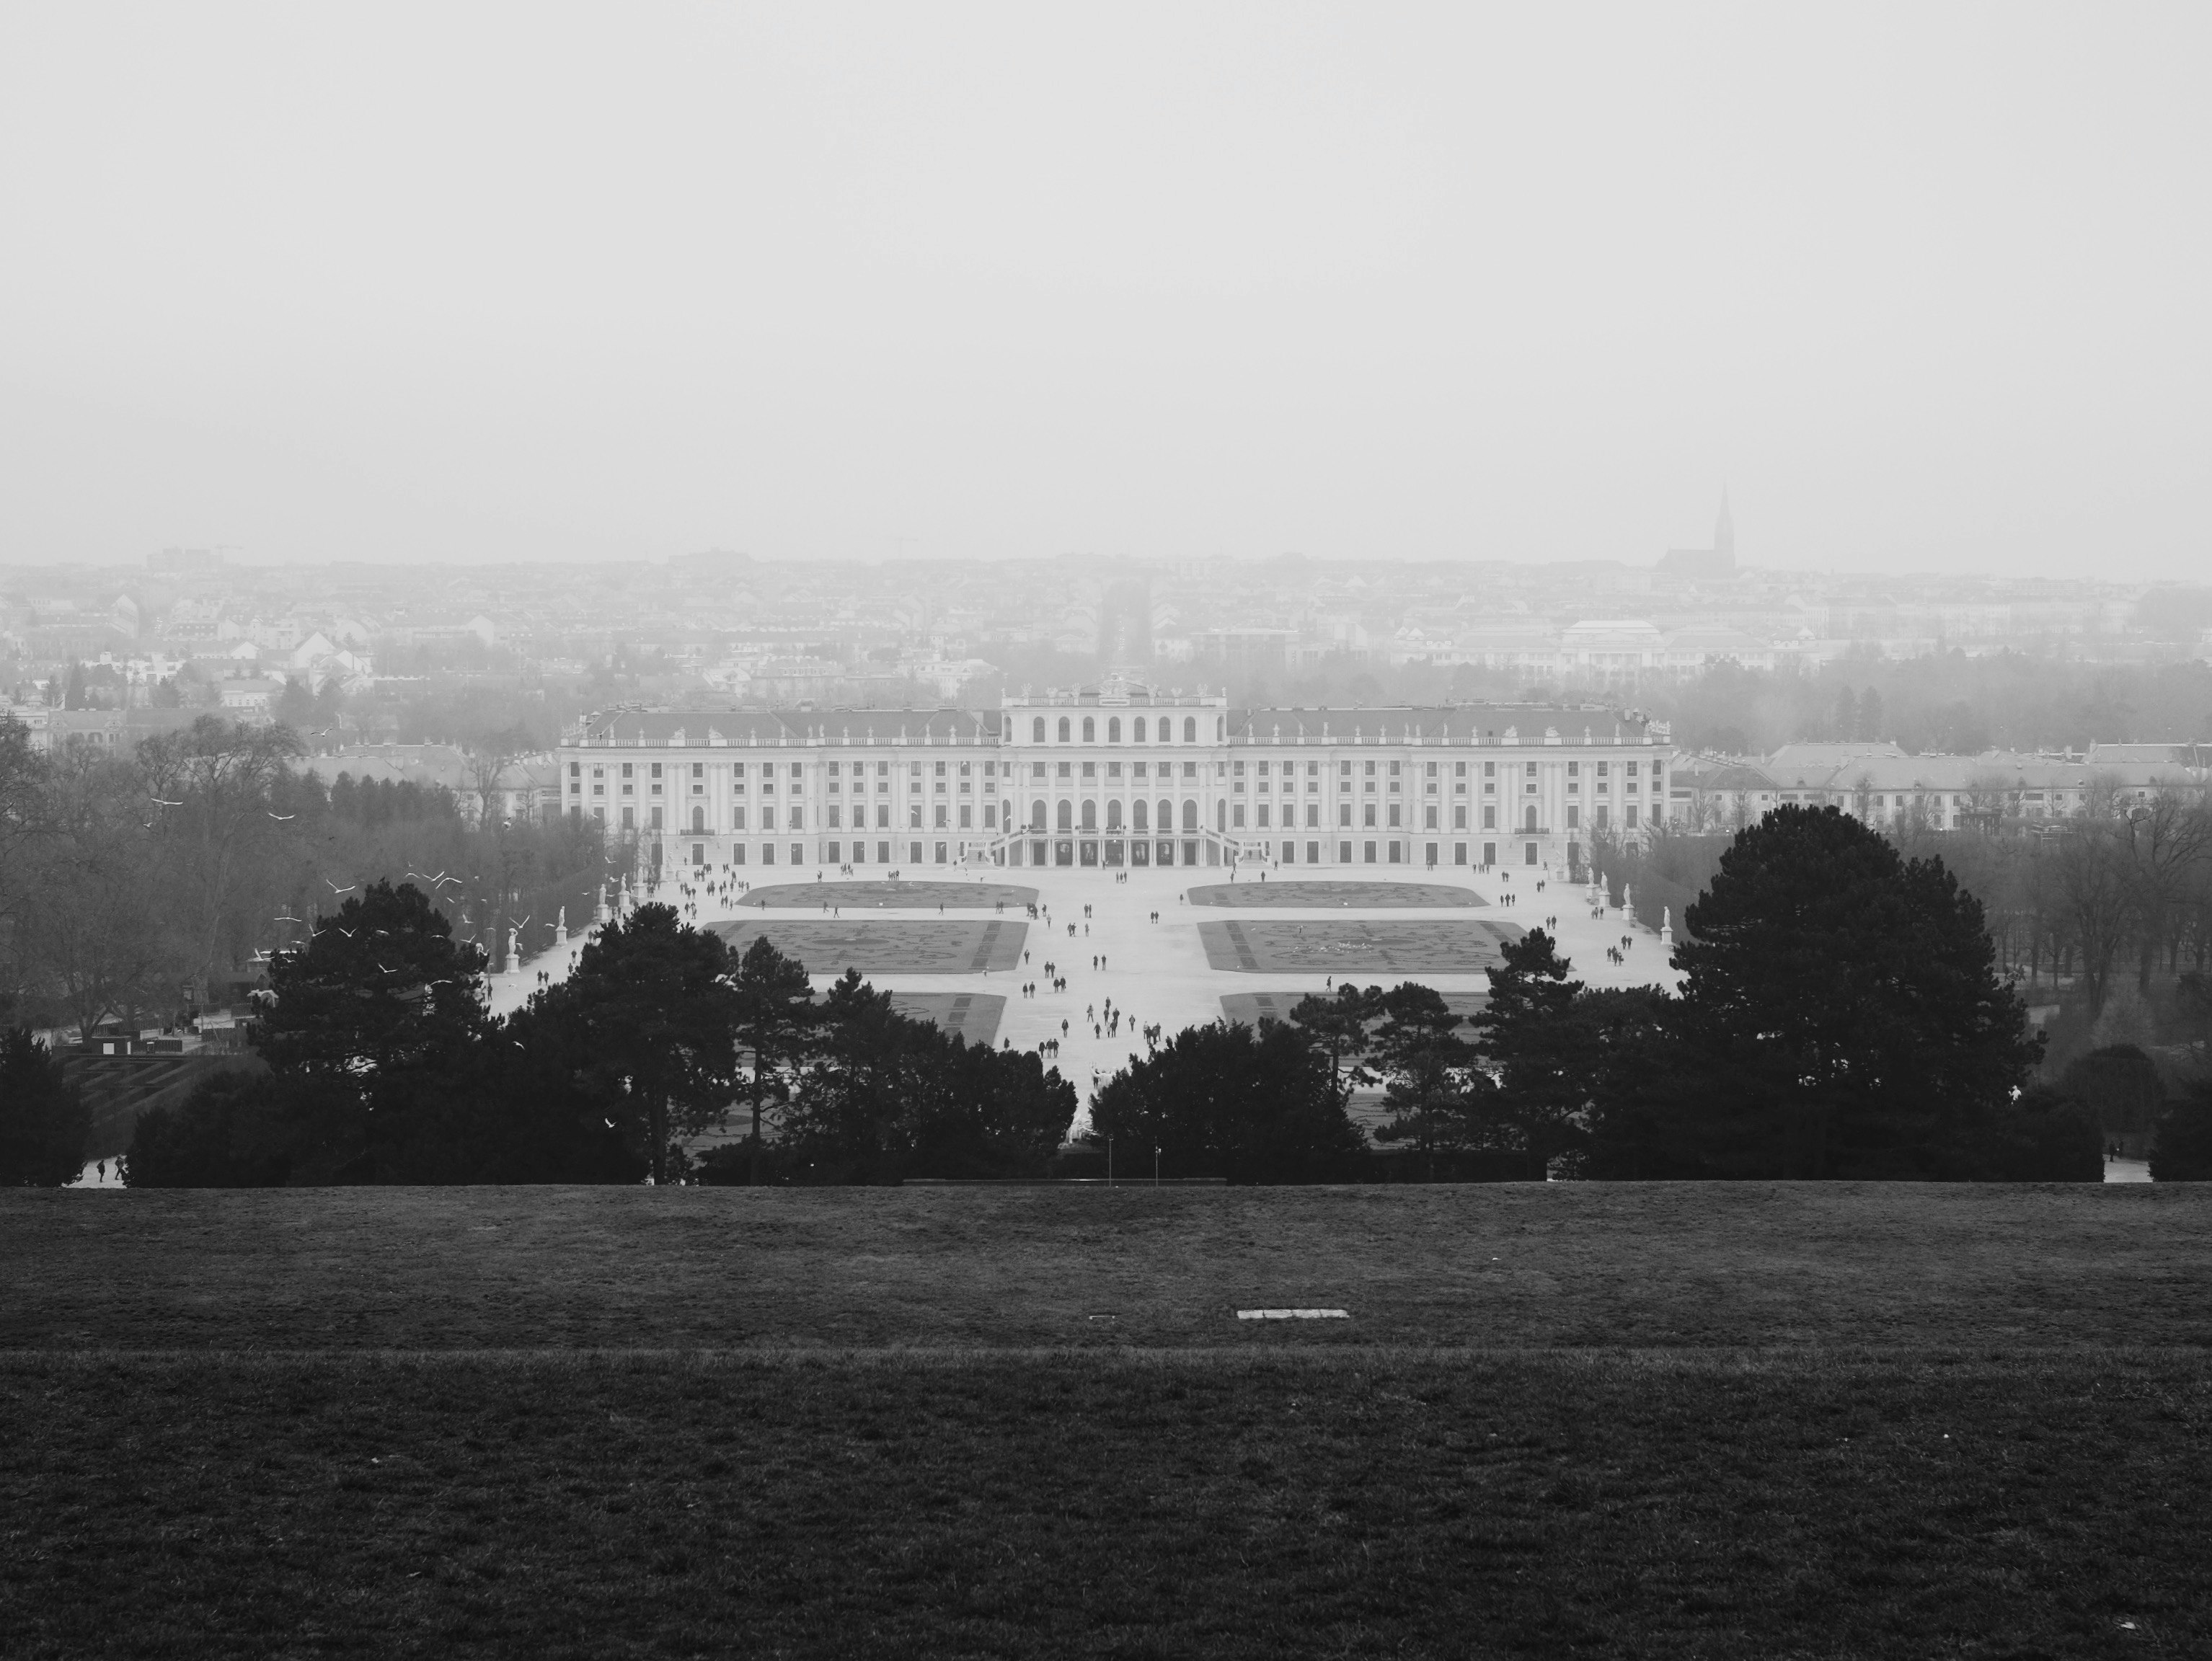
<point x="44" y="1124"/>
<point x="657" y="1020"/>
<point x="1854" y="995"/>
<point x="774" y="1017"/>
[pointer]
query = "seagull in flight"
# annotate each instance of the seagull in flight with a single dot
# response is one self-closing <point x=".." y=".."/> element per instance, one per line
<point x="159" y="803"/>
<point x="283" y="816"/>
<point x="335" y="888"/>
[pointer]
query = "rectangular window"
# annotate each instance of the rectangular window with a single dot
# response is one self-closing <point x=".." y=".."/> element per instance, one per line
<point x="1574" y="817"/>
<point x="1343" y="853"/>
<point x="1344" y="817"/>
<point x="1490" y="818"/>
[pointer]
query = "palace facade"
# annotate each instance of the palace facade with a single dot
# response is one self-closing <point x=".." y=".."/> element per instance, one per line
<point x="1126" y="776"/>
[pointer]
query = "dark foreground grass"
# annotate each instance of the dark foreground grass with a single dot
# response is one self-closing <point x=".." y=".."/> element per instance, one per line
<point x="1545" y="1265"/>
<point x="1324" y="1503"/>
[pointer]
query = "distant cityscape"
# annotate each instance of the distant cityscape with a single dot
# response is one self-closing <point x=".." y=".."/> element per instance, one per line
<point x="201" y="629"/>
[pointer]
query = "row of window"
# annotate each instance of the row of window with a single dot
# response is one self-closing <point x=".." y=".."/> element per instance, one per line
<point x="1163" y="727"/>
<point x="1165" y="852"/>
<point x="1227" y="816"/>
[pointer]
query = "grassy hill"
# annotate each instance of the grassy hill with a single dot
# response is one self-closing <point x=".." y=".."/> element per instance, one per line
<point x="1510" y="1265"/>
<point x="1734" y="1421"/>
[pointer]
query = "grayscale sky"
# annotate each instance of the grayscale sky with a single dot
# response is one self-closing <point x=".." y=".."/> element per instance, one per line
<point x="1927" y="287"/>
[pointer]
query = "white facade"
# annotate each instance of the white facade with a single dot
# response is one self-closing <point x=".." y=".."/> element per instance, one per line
<point x="1129" y="779"/>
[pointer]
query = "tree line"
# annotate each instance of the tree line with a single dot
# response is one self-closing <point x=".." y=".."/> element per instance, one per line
<point x="1841" y="1016"/>
<point x="136" y="886"/>
<point x="383" y="1066"/>
<point x="2107" y="912"/>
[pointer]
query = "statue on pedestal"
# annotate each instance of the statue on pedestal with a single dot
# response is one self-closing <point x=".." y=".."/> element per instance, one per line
<point x="514" y="948"/>
<point x="599" y="910"/>
<point x="1666" y="925"/>
<point x="561" y="928"/>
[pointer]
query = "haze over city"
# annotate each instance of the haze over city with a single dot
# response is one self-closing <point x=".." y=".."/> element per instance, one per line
<point x="1921" y="288"/>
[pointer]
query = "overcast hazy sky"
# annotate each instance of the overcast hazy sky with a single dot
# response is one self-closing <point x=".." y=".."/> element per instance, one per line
<point x="1925" y="285"/>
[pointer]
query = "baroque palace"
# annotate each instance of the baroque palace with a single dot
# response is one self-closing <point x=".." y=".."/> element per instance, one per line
<point x="1123" y="776"/>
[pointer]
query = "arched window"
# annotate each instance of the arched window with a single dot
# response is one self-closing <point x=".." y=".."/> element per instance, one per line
<point x="1532" y="819"/>
<point x="1190" y="729"/>
<point x="1090" y="815"/>
<point x="1112" y="816"/>
<point x="1167" y="815"/>
<point x="1113" y="729"/>
<point x="1037" y="731"/>
<point x="1063" y="729"/>
<point x="698" y="819"/>
<point x="1036" y="814"/>
<point x="1067" y="816"/>
<point x="1137" y="731"/>
<point x="1190" y="814"/>
<point x="1089" y="731"/>
<point x="1139" y="818"/>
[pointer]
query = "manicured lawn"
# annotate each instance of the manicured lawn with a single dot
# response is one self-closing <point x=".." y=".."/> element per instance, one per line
<point x="1502" y="1266"/>
<point x="1375" y="1503"/>
<point x="1638" y="1420"/>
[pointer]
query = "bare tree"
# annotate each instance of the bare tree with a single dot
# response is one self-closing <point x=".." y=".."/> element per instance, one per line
<point x="2168" y="840"/>
<point x="210" y="787"/>
<point x="2096" y="896"/>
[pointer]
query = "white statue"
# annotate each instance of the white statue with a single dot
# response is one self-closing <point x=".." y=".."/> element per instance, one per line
<point x="1666" y="925"/>
<point x="514" y="948"/>
<point x="599" y="910"/>
<point x="561" y="928"/>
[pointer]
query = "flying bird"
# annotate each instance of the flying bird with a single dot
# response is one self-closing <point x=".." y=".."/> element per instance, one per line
<point x="283" y="816"/>
<point x="159" y="803"/>
<point x="335" y="888"/>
